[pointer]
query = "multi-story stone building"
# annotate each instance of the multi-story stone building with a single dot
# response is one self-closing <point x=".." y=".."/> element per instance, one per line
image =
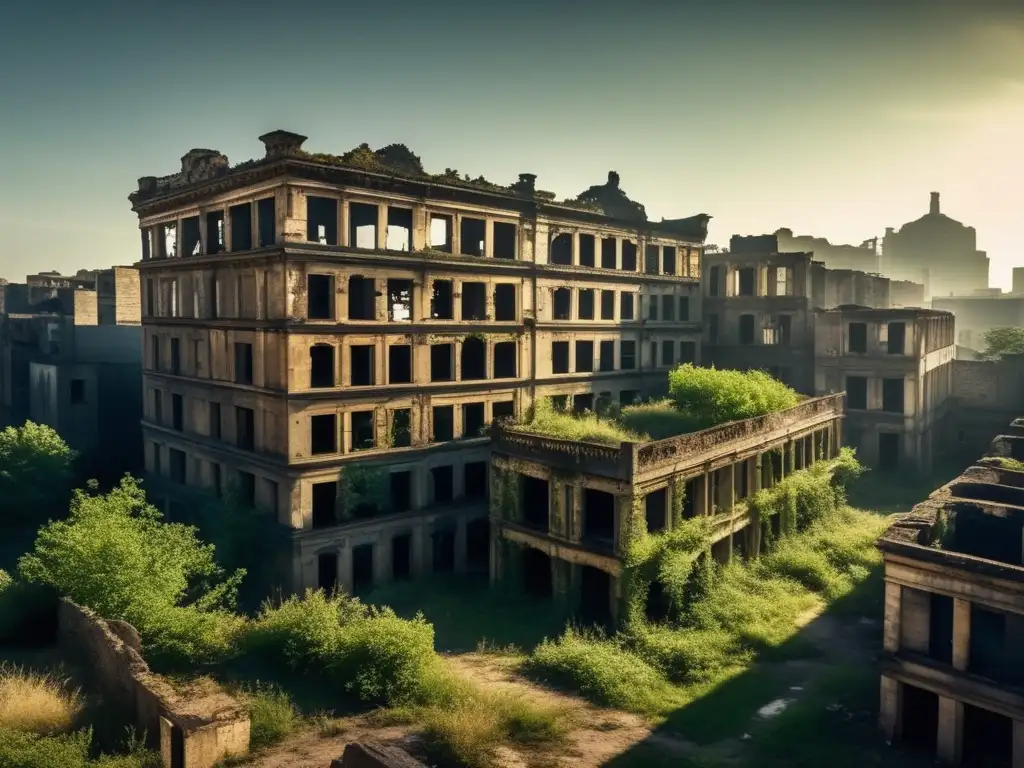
<point x="952" y="673"/>
<point x="562" y="511"/>
<point x="896" y="367"/>
<point x="977" y="315"/>
<point x="332" y="334"/>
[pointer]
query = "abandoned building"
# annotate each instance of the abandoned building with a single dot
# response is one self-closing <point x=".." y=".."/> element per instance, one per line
<point x="978" y="314"/>
<point x="329" y="336"/>
<point x="562" y="511"/>
<point x="71" y="358"/>
<point x="858" y="258"/>
<point x="952" y="677"/>
<point x="896" y="368"/>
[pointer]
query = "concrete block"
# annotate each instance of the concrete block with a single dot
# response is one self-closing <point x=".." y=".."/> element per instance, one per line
<point x="373" y="755"/>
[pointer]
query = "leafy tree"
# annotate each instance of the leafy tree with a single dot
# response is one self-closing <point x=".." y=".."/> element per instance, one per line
<point x="1003" y="341"/>
<point x="36" y="468"/>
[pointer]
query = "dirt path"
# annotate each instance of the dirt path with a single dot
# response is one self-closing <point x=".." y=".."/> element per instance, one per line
<point x="313" y="748"/>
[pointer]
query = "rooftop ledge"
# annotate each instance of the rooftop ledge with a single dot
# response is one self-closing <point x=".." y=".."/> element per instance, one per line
<point x="627" y="459"/>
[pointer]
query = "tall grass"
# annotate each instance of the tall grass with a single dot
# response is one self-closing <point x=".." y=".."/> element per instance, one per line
<point x="37" y="703"/>
<point x="545" y="419"/>
<point x="658" y="419"/>
<point x="272" y="715"/>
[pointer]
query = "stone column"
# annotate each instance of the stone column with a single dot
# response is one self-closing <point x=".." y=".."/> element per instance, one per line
<point x="489" y="237"/>
<point x="345" y="567"/>
<point x="950" y="742"/>
<point x="1017" y="760"/>
<point x="701" y="503"/>
<point x="890" y="710"/>
<point x="891" y="625"/>
<point x="382" y="226"/>
<point x="961" y="633"/>
<point x="344" y="219"/>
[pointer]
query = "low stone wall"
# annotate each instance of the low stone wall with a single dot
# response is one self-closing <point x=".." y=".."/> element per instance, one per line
<point x="191" y="730"/>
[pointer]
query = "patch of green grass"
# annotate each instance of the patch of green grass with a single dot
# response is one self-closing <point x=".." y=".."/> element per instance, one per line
<point x="545" y="419"/>
<point x="659" y="419"/>
<point x="1003" y="462"/>
<point x="22" y="749"/>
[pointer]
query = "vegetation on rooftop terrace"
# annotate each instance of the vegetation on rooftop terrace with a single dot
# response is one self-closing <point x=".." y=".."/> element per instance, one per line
<point x="699" y="398"/>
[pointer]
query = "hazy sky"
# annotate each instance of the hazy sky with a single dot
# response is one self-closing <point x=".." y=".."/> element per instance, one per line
<point x="833" y="121"/>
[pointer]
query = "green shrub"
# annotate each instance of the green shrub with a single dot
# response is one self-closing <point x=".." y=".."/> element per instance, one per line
<point x="709" y="396"/>
<point x="1003" y="462"/>
<point x="272" y="715"/>
<point x="36" y="467"/>
<point x="659" y="419"/>
<point x="545" y="419"/>
<point x="21" y="749"/>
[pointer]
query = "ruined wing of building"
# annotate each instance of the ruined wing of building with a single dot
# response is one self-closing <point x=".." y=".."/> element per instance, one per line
<point x="331" y="335"/>
<point x="952" y="675"/>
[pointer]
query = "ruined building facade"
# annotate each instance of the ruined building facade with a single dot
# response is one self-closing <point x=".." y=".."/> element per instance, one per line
<point x="329" y="337"/>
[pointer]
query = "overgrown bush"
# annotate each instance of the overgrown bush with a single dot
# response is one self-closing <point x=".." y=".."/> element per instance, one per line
<point x="22" y="749"/>
<point x="657" y="419"/>
<point x="42" y="704"/>
<point x="545" y="419"/>
<point x="708" y="396"/>
<point x="272" y="715"/>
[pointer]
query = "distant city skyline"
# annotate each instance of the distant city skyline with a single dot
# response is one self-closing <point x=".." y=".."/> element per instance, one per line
<point x="832" y="122"/>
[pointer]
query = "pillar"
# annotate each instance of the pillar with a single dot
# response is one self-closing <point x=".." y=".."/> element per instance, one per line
<point x="345" y="567"/>
<point x="950" y="743"/>
<point x="961" y="633"/>
<point x="890" y="710"/>
<point x="1018" y="744"/>
<point x="891" y="626"/>
<point x="382" y="227"/>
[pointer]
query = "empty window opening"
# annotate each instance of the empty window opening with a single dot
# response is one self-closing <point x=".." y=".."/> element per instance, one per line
<point x="400" y="364"/>
<point x="175" y="356"/>
<point x="177" y="412"/>
<point x="245" y="426"/>
<point x="583" y="402"/>
<point x="473" y="359"/>
<point x="559" y="356"/>
<point x="657" y="605"/>
<point x="608" y="253"/>
<point x="667" y="352"/>
<point x="628" y="256"/>
<point x="782" y="284"/>
<point x="323" y="433"/>
<point x="988" y="738"/>
<point x="562" y="303"/>
<point x="504" y="240"/>
<point x="471" y="236"/>
<point x="587" y="250"/>
<point x="585" y="309"/>
<point x="400" y="429"/>
<point x="177" y="460"/>
<point x="745" y="281"/>
<point x="266" y="216"/>
<point x="444" y="483"/>
<point x="214" y="232"/>
<point x="940" y="625"/>
<point x="690" y="497"/>
<point x="401" y="491"/>
<point x="595" y="597"/>
<point x="440" y="233"/>
<point x="443" y="423"/>
<point x="441" y="300"/>
<point x="668" y="307"/>
<point x="537" y="581"/>
<point x="746" y="329"/>
<point x="656" y="510"/>
<point x="559" y="402"/>
<point x="326" y="573"/>
<point x="859" y="337"/>
<point x="247" y="488"/>
<point x="362" y="225"/>
<point x="687" y="352"/>
<point x="150" y="298"/>
<point x="362" y="298"/>
<point x="505" y="360"/>
<point x="362" y="567"/>
<point x="603" y="404"/>
<point x="362" y="430"/>
<point x="191" y="241"/>
<point x="472" y="420"/>
<point x="607" y="305"/>
<point x="584" y="356"/>
<point x="534" y="502"/>
<point x="892" y="395"/>
<point x="474" y="301"/>
<point x="171" y="240"/>
<point x="77" y="391"/>
<point x="399" y="300"/>
<point x="652" y="307"/>
<point x="561" y="249"/>
<point x="443" y="545"/>
<point x="652" y="260"/>
<point x="684" y="309"/>
<point x="320" y="297"/>
<point x="856" y="393"/>
<point x="607" y="355"/>
<point x="399" y="234"/>
<point x="325" y="504"/>
<point x="362" y="365"/>
<point x="503" y="410"/>
<point x="214" y="420"/>
<point x="401" y="557"/>
<point x="476" y="479"/>
<point x="889" y="451"/>
<point x="504" y="302"/>
<point x="478" y="541"/>
<point x="668" y="260"/>
<point x="241" y="227"/>
<point x="441" y="362"/>
<point x="627" y="355"/>
<point x="322" y="220"/>
<point x="626" y="302"/>
<point x="243" y="363"/>
<point x="598" y="518"/>
<point x="920" y="718"/>
<point x="897" y="338"/>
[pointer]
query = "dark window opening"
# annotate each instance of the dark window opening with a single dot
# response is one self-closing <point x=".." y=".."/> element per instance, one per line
<point x="214" y="417"/>
<point x="266" y="220"/>
<point x="323" y="433"/>
<point x="77" y="391"/>
<point x="993" y="538"/>
<point x="534" y="502"/>
<point x="606" y="354"/>
<point x="191" y="241"/>
<point x="505" y="360"/>
<point x="856" y="393"/>
<point x="668" y="307"/>
<point x="656" y="510"/>
<point x="504" y="240"/>
<point x="177" y="461"/>
<point x="654" y="354"/>
<point x="322" y="220"/>
<point x="583" y="402"/>
<point x="940" y="627"/>
<point x="401" y="491"/>
<point x="652" y="307"/>
<point x="399" y="233"/>
<point x="177" y="412"/>
<point x="584" y="356"/>
<point x="920" y="718"/>
<point x="473" y="359"/>
<point x="175" y="356"/>
<point x="362" y="430"/>
<point x="745" y="281"/>
<point x="443" y="547"/>
<point x="243" y="363"/>
<point x="684" y="309"/>
<point x="892" y="395"/>
<point x="598" y="518"/>
<point x="714" y="281"/>
<point x="247" y="489"/>
<point x="628" y="256"/>
<point x="441" y="300"/>
<point x="326" y="573"/>
<point x="607" y="305"/>
<point x="474" y="301"/>
<point x="559" y="402"/>
<point x="503" y="410"/>
<point x="687" y="352"/>
<point x="889" y="452"/>
<point x="603" y="404"/>
<point x="608" y="253"/>
<point x="587" y="250"/>
<point x="324" y="503"/>
<point x="657" y="606"/>
<point x="476" y="479"/>
<point x="361" y="298"/>
<point x="668" y="260"/>
<point x="440" y="234"/>
<point x="559" y="356"/>
<point x="667" y="352"/>
<point x="652" y="260"/>
<point x="859" y="337"/>
<point x="897" y="338"/>
<point x="478" y="543"/>
<point x="627" y="355"/>
<point x="690" y="498"/>
<point x="626" y="306"/>
<point x="537" y="580"/>
<point x="746" y="329"/>
<point x="401" y="428"/>
<point x="241" y="227"/>
<point x="362" y="567"/>
<point x="441" y="359"/>
<point x="401" y="557"/>
<point x="472" y="419"/>
<point x="214" y="232"/>
<point x="504" y="302"/>
<point x="399" y="300"/>
<point x="150" y="298"/>
<point x="472" y="233"/>
<point x="562" y="303"/>
<point x="320" y="297"/>
<point x="245" y="428"/>
<point x="362" y="365"/>
<point x="362" y="225"/>
<point x="444" y="484"/>
<point x="988" y="738"/>
<point x="561" y="249"/>
<point x="443" y="423"/>
<point x="147" y="244"/>
<point x="586" y="304"/>
<point x="400" y="364"/>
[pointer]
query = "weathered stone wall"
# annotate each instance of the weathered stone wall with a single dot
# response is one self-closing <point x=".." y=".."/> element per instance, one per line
<point x="211" y="725"/>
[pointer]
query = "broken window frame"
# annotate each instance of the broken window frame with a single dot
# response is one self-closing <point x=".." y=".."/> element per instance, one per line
<point x="447" y="221"/>
<point x="397" y="289"/>
<point x="466" y="235"/>
<point x="355" y="210"/>
<point x="326" y="232"/>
